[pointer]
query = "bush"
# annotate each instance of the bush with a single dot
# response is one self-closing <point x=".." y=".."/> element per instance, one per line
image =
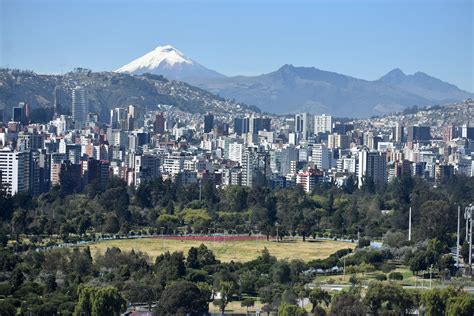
<point x="381" y="277"/>
<point x="395" y="276"/>
<point x="363" y="242"/>
<point x="387" y="267"/>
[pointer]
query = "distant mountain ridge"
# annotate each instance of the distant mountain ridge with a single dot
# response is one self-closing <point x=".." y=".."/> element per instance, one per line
<point x="293" y="89"/>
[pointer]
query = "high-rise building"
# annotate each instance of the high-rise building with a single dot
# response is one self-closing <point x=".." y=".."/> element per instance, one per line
<point x="238" y="125"/>
<point x="372" y="165"/>
<point x="79" y="107"/>
<point x="308" y="179"/>
<point x="449" y="133"/>
<point x="58" y="101"/>
<point x="467" y="132"/>
<point x="419" y="134"/>
<point x="304" y="124"/>
<point x="322" y="157"/>
<point x="14" y="167"/>
<point x="257" y="124"/>
<point x="339" y="141"/>
<point x="322" y="124"/>
<point x="159" y="125"/>
<point x="208" y="122"/>
<point x="19" y="113"/>
<point x="398" y="133"/>
<point x="235" y="152"/>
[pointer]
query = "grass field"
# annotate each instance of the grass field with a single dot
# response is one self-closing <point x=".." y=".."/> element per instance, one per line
<point x="236" y="250"/>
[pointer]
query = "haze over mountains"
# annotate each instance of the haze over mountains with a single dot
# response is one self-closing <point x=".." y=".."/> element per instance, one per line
<point x="293" y="89"/>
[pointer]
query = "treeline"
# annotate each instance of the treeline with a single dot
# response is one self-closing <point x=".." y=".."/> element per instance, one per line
<point x="70" y="282"/>
<point x="167" y="207"/>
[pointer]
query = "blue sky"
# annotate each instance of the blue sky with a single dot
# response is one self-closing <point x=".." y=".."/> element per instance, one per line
<point x="364" y="38"/>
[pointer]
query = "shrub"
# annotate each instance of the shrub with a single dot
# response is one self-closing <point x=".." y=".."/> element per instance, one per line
<point x="363" y="242"/>
<point x="395" y="276"/>
<point x="381" y="277"/>
<point x="387" y="267"/>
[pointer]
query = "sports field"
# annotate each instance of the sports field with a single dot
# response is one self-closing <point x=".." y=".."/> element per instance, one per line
<point x="237" y="248"/>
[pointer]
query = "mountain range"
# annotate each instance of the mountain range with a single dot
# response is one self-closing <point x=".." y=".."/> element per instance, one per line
<point x="293" y="89"/>
<point x="106" y="90"/>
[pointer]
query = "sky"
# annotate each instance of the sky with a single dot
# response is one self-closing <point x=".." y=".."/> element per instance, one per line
<point x="364" y="39"/>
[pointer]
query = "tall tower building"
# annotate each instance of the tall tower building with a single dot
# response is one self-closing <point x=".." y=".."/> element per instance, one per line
<point x="20" y="114"/>
<point x="398" y="133"/>
<point x="304" y="124"/>
<point x="208" y="122"/>
<point x="79" y="107"/>
<point x="58" y="101"/>
<point x="159" y="123"/>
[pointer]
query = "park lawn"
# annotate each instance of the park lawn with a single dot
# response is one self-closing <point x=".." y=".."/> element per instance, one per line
<point x="235" y="307"/>
<point x="365" y="278"/>
<point x="241" y="251"/>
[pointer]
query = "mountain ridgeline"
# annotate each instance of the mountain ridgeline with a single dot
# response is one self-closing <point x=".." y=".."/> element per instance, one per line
<point x="106" y="90"/>
<point x="293" y="89"/>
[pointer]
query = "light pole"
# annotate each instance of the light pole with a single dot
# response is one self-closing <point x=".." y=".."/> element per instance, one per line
<point x="457" y="240"/>
<point x="431" y="270"/>
<point x="409" y="225"/>
<point x="468" y="216"/>
<point x="200" y="189"/>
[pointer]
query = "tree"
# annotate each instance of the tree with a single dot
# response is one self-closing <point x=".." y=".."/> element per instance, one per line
<point x="96" y="301"/>
<point x="170" y="266"/>
<point x="435" y="300"/>
<point x="50" y="283"/>
<point x="318" y="296"/>
<point x="291" y="310"/>
<point x="347" y="304"/>
<point x="182" y="298"/>
<point x="16" y="279"/>
<point x="436" y="218"/>
<point x="248" y="302"/>
<point x="112" y="225"/>
<point x="107" y="301"/>
<point x="7" y="308"/>
<point x="388" y="297"/>
<point x="461" y="305"/>
<point x="19" y="222"/>
<point x="281" y="272"/>
<point x="226" y="289"/>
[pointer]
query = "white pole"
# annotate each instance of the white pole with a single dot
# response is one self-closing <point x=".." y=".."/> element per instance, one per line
<point x="431" y="269"/>
<point x="409" y="225"/>
<point x="470" y="242"/>
<point x="457" y="242"/>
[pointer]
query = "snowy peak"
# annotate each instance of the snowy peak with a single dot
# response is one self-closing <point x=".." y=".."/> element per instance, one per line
<point x="170" y="62"/>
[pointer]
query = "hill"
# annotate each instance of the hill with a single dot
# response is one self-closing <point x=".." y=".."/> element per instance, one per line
<point x="106" y="90"/>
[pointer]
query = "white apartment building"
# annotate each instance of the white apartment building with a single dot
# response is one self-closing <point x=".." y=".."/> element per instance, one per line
<point x="14" y="168"/>
<point x="322" y="124"/>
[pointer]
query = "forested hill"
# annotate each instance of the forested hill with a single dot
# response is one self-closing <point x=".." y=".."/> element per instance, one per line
<point x="106" y="90"/>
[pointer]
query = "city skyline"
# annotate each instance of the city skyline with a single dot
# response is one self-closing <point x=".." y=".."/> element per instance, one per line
<point x="243" y="38"/>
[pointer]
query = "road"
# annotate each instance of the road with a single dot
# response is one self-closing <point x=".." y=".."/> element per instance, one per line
<point x="340" y="287"/>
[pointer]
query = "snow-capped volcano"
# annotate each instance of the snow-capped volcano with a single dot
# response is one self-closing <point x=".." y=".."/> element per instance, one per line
<point x="169" y="62"/>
